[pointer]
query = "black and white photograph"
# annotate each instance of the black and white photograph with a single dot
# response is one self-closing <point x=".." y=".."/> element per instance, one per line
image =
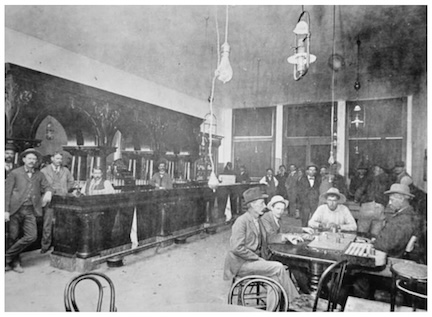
<point x="221" y="157"/>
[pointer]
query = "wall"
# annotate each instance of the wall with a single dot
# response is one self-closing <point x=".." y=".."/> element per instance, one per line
<point x="419" y="135"/>
<point x="35" y="54"/>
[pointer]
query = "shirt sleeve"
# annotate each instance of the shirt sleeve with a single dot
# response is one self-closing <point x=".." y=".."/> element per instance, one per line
<point x="316" y="218"/>
<point x="349" y="221"/>
<point x="109" y="189"/>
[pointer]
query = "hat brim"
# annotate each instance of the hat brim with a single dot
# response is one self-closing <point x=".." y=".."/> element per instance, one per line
<point x="398" y="192"/>
<point x="263" y="196"/>
<point x="271" y="204"/>
<point x="341" y="200"/>
<point x="35" y="152"/>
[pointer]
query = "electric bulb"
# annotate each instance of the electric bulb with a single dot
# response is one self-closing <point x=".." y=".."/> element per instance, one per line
<point x="224" y="72"/>
<point x="213" y="182"/>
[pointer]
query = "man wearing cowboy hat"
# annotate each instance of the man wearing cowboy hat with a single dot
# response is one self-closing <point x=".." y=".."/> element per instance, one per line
<point x="394" y="236"/>
<point x="400" y="226"/>
<point x="248" y="244"/>
<point x="23" y="200"/>
<point x="333" y="214"/>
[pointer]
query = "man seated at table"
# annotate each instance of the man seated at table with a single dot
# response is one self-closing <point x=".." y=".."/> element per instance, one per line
<point x="332" y="214"/>
<point x="395" y="235"/>
<point x="271" y="222"/>
<point x="248" y="246"/>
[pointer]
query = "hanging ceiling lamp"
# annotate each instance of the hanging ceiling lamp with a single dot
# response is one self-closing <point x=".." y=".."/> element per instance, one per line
<point x="224" y="73"/>
<point x="358" y="118"/>
<point x="333" y="144"/>
<point x="302" y="57"/>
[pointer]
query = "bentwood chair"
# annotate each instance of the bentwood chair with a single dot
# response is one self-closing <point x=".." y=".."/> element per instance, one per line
<point x="257" y="291"/>
<point x="330" y="283"/>
<point x="101" y="281"/>
<point x="409" y="278"/>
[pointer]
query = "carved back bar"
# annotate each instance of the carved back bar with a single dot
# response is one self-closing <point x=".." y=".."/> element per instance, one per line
<point x="91" y="117"/>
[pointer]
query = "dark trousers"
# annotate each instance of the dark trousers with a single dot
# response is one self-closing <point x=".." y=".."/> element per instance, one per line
<point x="305" y="214"/>
<point x="25" y="219"/>
<point x="48" y="217"/>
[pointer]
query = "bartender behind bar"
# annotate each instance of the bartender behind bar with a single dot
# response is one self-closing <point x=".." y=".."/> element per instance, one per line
<point x="161" y="179"/>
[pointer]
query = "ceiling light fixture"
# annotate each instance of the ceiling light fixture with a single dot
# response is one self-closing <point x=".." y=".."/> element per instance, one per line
<point x="224" y="73"/>
<point x="302" y="57"/>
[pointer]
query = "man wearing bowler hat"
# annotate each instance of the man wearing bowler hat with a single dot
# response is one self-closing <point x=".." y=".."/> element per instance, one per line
<point x="23" y="200"/>
<point x="308" y="193"/>
<point x="333" y="214"/>
<point x="248" y="245"/>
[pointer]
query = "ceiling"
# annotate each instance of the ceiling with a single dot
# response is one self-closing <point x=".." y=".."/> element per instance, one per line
<point x="175" y="46"/>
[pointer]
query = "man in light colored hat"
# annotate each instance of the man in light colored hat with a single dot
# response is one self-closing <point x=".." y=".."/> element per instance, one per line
<point x="400" y="226"/>
<point x="23" y="202"/>
<point x="277" y="233"/>
<point x="248" y="245"/>
<point x="333" y="214"/>
<point x="271" y="222"/>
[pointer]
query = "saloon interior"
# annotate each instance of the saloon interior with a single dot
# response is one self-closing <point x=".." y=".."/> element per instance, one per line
<point x="122" y="87"/>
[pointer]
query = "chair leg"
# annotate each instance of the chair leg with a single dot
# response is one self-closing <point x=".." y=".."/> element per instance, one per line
<point x="393" y="293"/>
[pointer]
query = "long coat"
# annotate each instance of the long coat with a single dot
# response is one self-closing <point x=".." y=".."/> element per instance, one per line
<point x="397" y="231"/>
<point x="308" y="196"/>
<point x="246" y="244"/>
<point x="19" y="186"/>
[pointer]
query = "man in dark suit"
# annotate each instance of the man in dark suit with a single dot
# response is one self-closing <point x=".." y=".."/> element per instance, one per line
<point x="248" y="248"/>
<point x="308" y="193"/>
<point x="10" y="151"/>
<point x="23" y="200"/>
<point x="62" y="181"/>
<point x="291" y="188"/>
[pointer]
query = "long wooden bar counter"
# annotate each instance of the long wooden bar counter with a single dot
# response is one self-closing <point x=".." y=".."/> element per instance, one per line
<point x="88" y="230"/>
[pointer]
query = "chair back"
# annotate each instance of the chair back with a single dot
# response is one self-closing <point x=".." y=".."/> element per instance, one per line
<point x="332" y="277"/>
<point x="256" y="291"/>
<point x="69" y="292"/>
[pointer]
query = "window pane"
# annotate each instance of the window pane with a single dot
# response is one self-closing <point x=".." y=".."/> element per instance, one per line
<point x="383" y="118"/>
<point x="253" y="121"/>
<point x="256" y="156"/>
<point x="309" y="120"/>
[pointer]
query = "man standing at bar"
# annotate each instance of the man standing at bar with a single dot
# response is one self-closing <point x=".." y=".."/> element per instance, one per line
<point x="10" y="151"/>
<point x="23" y="200"/>
<point x="161" y="179"/>
<point x="62" y="181"/>
<point x="248" y="244"/>
<point x="308" y="193"/>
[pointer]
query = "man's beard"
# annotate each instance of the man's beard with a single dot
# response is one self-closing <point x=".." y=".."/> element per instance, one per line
<point x="9" y="159"/>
